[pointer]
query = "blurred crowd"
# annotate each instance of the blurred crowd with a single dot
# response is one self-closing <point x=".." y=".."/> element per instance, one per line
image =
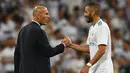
<point x="67" y="19"/>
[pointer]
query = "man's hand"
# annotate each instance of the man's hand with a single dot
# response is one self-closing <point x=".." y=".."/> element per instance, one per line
<point x="85" y="69"/>
<point x="66" y="41"/>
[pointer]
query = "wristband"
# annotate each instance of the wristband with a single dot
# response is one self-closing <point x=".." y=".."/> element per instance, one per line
<point x="89" y="64"/>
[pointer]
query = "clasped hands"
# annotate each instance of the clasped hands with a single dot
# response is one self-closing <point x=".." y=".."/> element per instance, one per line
<point x="67" y="41"/>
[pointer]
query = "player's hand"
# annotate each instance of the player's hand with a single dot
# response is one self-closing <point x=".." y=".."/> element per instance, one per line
<point x="66" y="41"/>
<point x="71" y="45"/>
<point x="85" y="69"/>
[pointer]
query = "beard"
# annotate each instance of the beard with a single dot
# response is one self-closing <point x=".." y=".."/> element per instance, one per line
<point x="89" y="19"/>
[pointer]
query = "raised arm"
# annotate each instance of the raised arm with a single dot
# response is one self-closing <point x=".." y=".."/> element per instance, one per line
<point x="82" y="48"/>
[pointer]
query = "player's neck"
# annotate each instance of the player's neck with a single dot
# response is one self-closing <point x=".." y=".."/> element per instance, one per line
<point x="95" y="20"/>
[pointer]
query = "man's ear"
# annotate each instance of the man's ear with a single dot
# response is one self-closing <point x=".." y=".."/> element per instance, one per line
<point x="38" y="16"/>
<point x="92" y="12"/>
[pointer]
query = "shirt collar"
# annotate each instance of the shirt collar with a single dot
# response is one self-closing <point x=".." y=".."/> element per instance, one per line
<point x="98" y="21"/>
<point x="36" y="22"/>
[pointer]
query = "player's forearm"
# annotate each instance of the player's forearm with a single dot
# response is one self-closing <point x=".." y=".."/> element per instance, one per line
<point x="83" y="48"/>
<point x="98" y="55"/>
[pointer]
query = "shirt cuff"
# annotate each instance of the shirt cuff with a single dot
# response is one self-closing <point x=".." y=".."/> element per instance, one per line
<point x="64" y="45"/>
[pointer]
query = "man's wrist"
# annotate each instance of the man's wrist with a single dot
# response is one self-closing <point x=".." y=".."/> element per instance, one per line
<point x="89" y="64"/>
<point x="64" y="45"/>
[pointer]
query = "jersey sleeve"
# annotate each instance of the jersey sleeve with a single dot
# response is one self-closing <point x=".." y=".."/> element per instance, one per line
<point x="102" y="35"/>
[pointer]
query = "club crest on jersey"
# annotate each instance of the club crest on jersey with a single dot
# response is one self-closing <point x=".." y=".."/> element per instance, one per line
<point x="91" y="43"/>
<point x="99" y="23"/>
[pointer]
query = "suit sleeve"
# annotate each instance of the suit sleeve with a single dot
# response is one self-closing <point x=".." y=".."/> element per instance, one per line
<point x="17" y="57"/>
<point x="45" y="46"/>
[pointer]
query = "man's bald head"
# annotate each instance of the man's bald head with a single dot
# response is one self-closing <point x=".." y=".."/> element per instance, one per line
<point x="38" y="9"/>
<point x="41" y="15"/>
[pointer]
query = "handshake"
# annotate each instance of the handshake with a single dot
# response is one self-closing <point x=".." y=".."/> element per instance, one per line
<point x="67" y="41"/>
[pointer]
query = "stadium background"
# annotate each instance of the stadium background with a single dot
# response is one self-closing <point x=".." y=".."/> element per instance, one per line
<point x="66" y="19"/>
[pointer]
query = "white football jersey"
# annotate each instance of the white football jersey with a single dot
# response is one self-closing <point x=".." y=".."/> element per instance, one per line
<point x="100" y="34"/>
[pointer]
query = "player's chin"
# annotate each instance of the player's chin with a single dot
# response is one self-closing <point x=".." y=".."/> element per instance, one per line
<point x="89" y="21"/>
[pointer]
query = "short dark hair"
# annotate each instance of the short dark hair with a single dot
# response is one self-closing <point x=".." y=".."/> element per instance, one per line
<point x="94" y="6"/>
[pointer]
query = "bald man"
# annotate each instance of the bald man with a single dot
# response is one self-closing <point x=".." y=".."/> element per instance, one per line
<point x="33" y="50"/>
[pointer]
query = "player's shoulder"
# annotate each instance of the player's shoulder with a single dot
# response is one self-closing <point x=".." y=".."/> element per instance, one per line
<point x="101" y="23"/>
